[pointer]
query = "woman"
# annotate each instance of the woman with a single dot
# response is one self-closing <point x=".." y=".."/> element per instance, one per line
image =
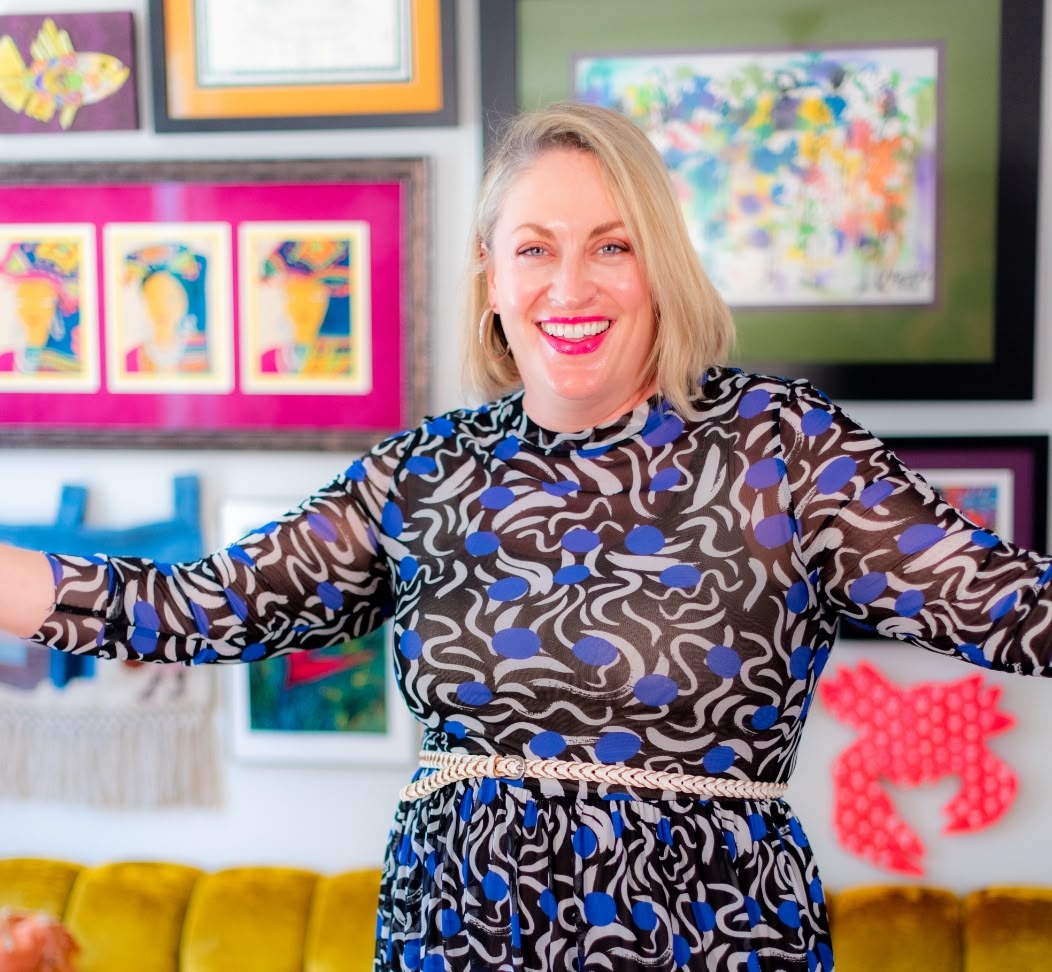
<point x="45" y="279"/>
<point x="172" y="283"/>
<point x="616" y="588"/>
<point x="316" y="279"/>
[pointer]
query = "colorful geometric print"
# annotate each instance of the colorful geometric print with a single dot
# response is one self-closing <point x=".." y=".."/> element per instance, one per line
<point x="661" y="591"/>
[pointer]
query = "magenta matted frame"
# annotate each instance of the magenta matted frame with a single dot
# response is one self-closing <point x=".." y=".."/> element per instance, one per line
<point x="390" y="195"/>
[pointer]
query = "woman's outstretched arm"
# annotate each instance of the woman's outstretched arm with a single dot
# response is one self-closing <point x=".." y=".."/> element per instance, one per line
<point x="27" y="590"/>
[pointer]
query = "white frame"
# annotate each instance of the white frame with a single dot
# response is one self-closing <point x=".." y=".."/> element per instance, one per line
<point x="396" y="747"/>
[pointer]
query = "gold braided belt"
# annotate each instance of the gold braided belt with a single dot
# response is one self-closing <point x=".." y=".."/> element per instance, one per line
<point x="452" y="767"/>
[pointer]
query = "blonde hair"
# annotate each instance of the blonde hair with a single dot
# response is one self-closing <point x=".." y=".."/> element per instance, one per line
<point x="694" y="326"/>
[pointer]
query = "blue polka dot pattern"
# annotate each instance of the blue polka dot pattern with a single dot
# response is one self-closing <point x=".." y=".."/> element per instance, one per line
<point x="506" y="450"/>
<point x="680" y="575"/>
<point x="585" y="843"/>
<point x="410" y="645"/>
<point x="766" y="472"/>
<point x="916" y="538"/>
<point x="449" y="922"/>
<point x="816" y="422"/>
<point x="421" y="466"/>
<point x="867" y="588"/>
<point x="661" y="591"/>
<point x="656" y="690"/>
<point x="797" y="597"/>
<point x="909" y="603"/>
<point x="516" y="643"/>
<point x="876" y="493"/>
<point x="753" y="402"/>
<point x="643" y="916"/>
<point x="494" y="886"/>
<point x="775" y="531"/>
<point x="719" y="759"/>
<point x="473" y="693"/>
<point x="599" y="908"/>
<point x="665" y="479"/>
<point x="644" y="540"/>
<point x="497" y="498"/>
<point x="595" y="651"/>
<point x="723" y="661"/>
<point x="572" y="574"/>
<point x="617" y="747"/>
<point x="836" y="475"/>
<point x="508" y="589"/>
<point x="322" y="527"/>
<point x="764" y="717"/>
<point x="481" y="543"/>
<point x="547" y="744"/>
<point x="580" y="541"/>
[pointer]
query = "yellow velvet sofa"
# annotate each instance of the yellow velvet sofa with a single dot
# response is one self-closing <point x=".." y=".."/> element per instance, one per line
<point x="165" y="917"/>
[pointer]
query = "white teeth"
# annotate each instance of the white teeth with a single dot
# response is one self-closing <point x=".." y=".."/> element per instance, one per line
<point x="574" y="332"/>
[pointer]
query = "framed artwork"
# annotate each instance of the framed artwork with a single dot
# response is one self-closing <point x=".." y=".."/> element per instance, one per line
<point x="93" y="87"/>
<point x="49" y="337"/>
<point x="170" y="322"/>
<point x="212" y="304"/>
<point x="247" y="64"/>
<point x="336" y="705"/>
<point x="339" y="347"/>
<point x="860" y="182"/>
<point x="998" y="482"/>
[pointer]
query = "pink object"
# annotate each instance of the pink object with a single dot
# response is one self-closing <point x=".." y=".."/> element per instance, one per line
<point x="909" y="736"/>
<point x="33" y="942"/>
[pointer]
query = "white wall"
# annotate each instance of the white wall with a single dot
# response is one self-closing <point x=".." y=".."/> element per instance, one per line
<point x="337" y="818"/>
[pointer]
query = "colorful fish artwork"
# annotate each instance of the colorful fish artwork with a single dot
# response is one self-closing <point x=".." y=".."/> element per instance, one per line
<point x="57" y="81"/>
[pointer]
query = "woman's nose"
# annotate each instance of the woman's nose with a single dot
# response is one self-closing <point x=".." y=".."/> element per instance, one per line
<point x="572" y="284"/>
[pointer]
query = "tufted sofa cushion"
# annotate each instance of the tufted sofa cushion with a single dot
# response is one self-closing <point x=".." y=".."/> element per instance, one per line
<point x="129" y="917"/>
<point x="1008" y="929"/>
<point x="896" y="928"/>
<point x="165" y="917"/>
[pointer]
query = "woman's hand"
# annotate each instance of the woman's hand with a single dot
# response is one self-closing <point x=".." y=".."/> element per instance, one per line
<point x="27" y="591"/>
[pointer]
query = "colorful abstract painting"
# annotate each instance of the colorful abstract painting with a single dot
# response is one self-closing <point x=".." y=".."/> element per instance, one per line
<point x="67" y="72"/>
<point x="807" y="177"/>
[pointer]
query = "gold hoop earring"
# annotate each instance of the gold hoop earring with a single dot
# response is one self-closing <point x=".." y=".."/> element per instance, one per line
<point x="487" y="343"/>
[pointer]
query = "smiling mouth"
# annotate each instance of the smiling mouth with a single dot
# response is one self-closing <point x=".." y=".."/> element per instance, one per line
<point x="575" y="330"/>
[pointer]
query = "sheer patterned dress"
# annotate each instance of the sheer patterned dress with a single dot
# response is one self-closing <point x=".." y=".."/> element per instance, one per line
<point x="662" y="591"/>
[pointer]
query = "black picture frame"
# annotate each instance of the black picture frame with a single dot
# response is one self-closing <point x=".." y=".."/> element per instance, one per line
<point x="171" y="69"/>
<point x="1007" y="375"/>
<point x="93" y="203"/>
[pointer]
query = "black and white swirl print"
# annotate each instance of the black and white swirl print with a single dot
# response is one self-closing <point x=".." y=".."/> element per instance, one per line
<point x="662" y="591"/>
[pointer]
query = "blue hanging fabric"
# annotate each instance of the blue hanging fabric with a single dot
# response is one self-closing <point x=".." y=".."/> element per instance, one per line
<point x="173" y="540"/>
<point x="127" y="735"/>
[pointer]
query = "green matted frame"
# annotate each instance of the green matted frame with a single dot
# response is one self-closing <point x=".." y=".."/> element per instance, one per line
<point x="975" y="342"/>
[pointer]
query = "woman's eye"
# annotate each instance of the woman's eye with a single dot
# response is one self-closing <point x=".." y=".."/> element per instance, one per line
<point x="531" y="251"/>
<point x="613" y="248"/>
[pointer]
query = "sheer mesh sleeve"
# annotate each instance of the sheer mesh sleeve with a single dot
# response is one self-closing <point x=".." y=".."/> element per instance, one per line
<point x="313" y="577"/>
<point x="885" y="549"/>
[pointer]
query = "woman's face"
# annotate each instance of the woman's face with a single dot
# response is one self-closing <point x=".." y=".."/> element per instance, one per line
<point x="307" y="301"/>
<point x="35" y="302"/>
<point x="166" y="302"/>
<point x="572" y="297"/>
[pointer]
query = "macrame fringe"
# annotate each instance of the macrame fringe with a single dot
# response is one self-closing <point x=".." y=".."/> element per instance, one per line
<point x="146" y="756"/>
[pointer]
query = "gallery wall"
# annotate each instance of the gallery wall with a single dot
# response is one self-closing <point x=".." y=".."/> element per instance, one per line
<point x="336" y="817"/>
